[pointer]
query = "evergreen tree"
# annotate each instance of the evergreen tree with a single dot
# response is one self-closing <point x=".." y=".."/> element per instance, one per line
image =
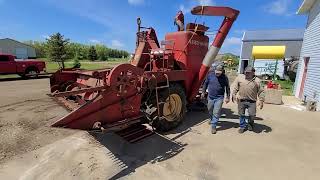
<point x="76" y="62"/>
<point x="92" y="54"/>
<point x="56" y="48"/>
<point x="81" y="53"/>
<point x="102" y="52"/>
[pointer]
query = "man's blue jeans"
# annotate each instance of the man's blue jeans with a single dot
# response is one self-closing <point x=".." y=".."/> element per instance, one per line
<point x="214" y="108"/>
<point x="242" y="106"/>
<point x="243" y="122"/>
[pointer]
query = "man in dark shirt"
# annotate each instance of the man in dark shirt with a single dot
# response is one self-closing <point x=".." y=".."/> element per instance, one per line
<point x="217" y="84"/>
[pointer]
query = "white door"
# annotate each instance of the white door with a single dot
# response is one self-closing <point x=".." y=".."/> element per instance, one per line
<point x="22" y="53"/>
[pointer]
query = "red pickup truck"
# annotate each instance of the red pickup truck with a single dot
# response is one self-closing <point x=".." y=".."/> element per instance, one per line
<point x="23" y="67"/>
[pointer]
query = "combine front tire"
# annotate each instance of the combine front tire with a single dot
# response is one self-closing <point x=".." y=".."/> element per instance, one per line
<point x="172" y="106"/>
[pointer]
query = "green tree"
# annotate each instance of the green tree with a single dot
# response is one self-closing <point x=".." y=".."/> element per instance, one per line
<point x="76" y="62"/>
<point x="82" y="53"/>
<point x="102" y="51"/>
<point x="56" y="48"/>
<point x="51" y="49"/>
<point x="40" y="48"/>
<point x="72" y="50"/>
<point x="92" y="54"/>
<point x="232" y="57"/>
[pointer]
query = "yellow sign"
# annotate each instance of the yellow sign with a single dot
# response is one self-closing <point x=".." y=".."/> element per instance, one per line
<point x="268" y="52"/>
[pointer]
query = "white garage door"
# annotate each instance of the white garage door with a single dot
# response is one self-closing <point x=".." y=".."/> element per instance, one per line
<point x="22" y="53"/>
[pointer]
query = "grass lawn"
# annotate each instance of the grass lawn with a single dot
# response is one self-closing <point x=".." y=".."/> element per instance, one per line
<point x="53" y="66"/>
<point x="86" y="64"/>
<point x="286" y="86"/>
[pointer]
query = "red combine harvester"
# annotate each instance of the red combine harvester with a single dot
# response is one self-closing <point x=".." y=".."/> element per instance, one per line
<point x="154" y="88"/>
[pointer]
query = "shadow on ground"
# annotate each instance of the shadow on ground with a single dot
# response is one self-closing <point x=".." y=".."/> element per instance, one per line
<point x="192" y="119"/>
<point x="21" y="79"/>
<point x="229" y="114"/>
<point x="258" y="128"/>
<point x="155" y="148"/>
<point x="129" y="157"/>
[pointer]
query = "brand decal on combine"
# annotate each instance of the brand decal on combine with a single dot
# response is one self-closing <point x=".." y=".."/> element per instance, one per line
<point x="198" y="43"/>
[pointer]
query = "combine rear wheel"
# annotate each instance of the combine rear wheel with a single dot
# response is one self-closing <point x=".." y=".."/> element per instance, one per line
<point x="172" y="106"/>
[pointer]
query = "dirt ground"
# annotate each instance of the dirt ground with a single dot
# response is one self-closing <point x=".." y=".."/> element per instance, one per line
<point x="284" y="145"/>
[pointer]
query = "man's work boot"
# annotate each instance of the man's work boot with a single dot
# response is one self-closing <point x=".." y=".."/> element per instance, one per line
<point x="241" y="130"/>
<point x="213" y="130"/>
<point x="250" y="126"/>
<point x="209" y="122"/>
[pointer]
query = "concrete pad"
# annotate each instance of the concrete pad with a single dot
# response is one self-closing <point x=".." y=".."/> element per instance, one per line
<point x="284" y="145"/>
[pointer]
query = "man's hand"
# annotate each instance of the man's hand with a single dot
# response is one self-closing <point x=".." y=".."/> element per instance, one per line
<point x="260" y="104"/>
<point x="233" y="98"/>
<point x="227" y="100"/>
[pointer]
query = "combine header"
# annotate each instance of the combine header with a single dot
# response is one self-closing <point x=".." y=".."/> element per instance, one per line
<point x="154" y="88"/>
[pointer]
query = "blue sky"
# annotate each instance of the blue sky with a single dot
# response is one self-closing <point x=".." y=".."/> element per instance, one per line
<point x="113" y="22"/>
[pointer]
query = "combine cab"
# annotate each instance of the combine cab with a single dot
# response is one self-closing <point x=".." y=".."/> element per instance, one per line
<point x="154" y="88"/>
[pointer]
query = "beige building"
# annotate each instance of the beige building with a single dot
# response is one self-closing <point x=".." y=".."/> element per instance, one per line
<point x="21" y="50"/>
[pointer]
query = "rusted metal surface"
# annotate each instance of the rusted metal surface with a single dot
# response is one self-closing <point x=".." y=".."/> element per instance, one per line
<point x="116" y="99"/>
<point x="80" y="91"/>
<point x="135" y="133"/>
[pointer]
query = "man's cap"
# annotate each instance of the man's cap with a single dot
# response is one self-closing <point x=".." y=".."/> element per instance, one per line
<point x="249" y="69"/>
<point x="216" y="63"/>
<point x="219" y="68"/>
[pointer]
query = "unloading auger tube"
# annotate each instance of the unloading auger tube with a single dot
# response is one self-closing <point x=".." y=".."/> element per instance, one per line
<point x="230" y="15"/>
<point x="153" y="88"/>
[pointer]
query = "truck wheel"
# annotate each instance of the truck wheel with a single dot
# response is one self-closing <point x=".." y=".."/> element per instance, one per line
<point x="32" y="73"/>
<point x="172" y="106"/>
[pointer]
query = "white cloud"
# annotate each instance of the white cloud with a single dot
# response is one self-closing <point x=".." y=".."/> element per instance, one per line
<point x="186" y="7"/>
<point x="100" y="12"/>
<point x="10" y="30"/>
<point x="233" y="50"/>
<point x="232" y="45"/>
<point x="206" y="2"/>
<point x="135" y="2"/>
<point x="92" y="10"/>
<point x="116" y="44"/>
<point x="240" y="31"/>
<point x="45" y="36"/>
<point x="232" y="41"/>
<point x="278" y="7"/>
<point x="95" y="41"/>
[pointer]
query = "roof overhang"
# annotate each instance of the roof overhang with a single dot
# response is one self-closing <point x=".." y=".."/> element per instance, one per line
<point x="305" y="6"/>
<point x="268" y="52"/>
